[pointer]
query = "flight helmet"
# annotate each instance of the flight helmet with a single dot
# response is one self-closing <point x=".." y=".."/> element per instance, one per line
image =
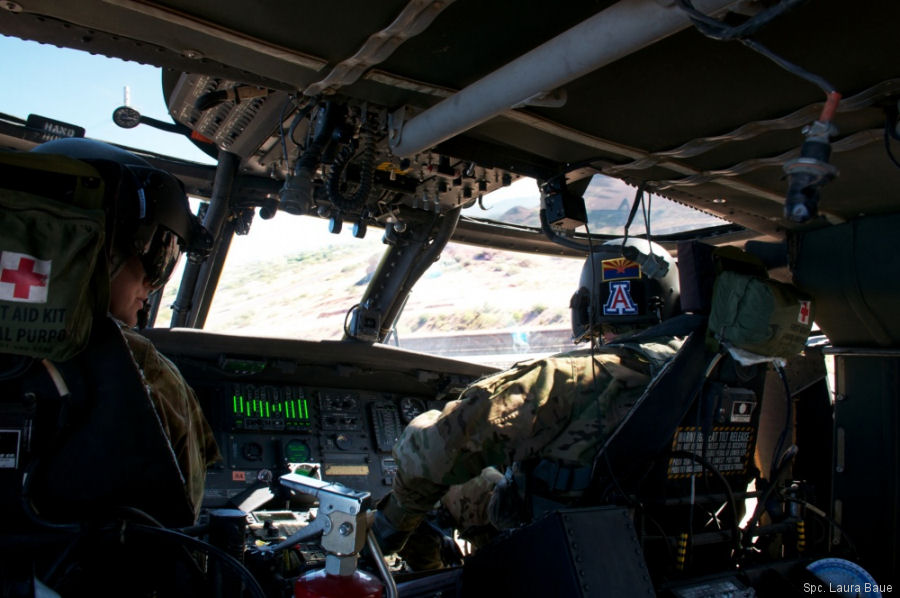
<point x="147" y="210"/>
<point x="624" y="286"/>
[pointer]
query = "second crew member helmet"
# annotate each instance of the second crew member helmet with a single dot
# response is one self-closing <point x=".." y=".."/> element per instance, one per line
<point x="623" y="287"/>
<point x="147" y="210"/>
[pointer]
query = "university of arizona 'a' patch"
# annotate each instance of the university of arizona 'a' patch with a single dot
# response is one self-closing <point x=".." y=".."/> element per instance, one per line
<point x="620" y="302"/>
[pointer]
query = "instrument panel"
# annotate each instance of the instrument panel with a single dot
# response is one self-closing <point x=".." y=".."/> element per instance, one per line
<point x="334" y="406"/>
<point x="265" y="429"/>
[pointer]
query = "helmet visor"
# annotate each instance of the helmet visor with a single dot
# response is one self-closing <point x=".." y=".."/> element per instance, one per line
<point x="160" y="257"/>
<point x="162" y="201"/>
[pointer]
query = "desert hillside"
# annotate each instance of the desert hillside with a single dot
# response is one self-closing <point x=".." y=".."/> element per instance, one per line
<point x="290" y="278"/>
<point x="308" y="294"/>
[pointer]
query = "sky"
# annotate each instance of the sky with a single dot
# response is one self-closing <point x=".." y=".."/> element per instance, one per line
<point x="83" y="90"/>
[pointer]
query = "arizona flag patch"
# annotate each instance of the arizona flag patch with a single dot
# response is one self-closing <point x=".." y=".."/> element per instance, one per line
<point x="23" y="277"/>
<point x="620" y="302"/>
<point x="620" y="269"/>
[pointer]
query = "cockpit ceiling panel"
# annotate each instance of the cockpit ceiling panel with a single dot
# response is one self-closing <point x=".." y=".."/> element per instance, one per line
<point x="851" y="45"/>
<point x="657" y="114"/>
<point x="689" y="86"/>
<point x="331" y="31"/>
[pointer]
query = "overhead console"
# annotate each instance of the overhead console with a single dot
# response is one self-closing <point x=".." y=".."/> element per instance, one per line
<point x="338" y="407"/>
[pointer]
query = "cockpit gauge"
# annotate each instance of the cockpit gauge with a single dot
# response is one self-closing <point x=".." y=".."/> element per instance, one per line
<point x="339" y="401"/>
<point x="410" y="407"/>
<point x="296" y="451"/>
<point x="252" y="451"/>
<point x="126" y="117"/>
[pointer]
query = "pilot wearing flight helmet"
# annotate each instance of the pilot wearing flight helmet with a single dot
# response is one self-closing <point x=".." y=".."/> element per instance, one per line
<point x="557" y="409"/>
<point x="149" y="225"/>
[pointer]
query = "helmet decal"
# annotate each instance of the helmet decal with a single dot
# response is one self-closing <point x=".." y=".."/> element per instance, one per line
<point x="617" y="292"/>
<point x="620" y="302"/>
<point x="620" y="268"/>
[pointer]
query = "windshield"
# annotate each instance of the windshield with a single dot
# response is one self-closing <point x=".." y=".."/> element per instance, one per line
<point x="291" y="278"/>
<point x="491" y="306"/>
<point x="608" y="202"/>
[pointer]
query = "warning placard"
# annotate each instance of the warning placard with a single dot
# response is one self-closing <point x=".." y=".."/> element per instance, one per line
<point x="727" y="448"/>
<point x="9" y="449"/>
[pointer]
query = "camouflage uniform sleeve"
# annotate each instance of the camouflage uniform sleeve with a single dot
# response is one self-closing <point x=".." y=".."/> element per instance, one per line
<point x="179" y="411"/>
<point x="468" y="504"/>
<point x="558" y="406"/>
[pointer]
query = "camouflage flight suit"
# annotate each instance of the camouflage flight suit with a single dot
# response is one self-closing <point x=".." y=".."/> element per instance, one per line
<point x="559" y="408"/>
<point x="181" y="416"/>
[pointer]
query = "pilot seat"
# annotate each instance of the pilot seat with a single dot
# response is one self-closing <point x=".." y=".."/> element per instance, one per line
<point x="83" y="454"/>
<point x="662" y="503"/>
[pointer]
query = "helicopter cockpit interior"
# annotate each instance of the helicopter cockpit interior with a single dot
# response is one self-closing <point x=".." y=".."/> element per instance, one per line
<point x="776" y="123"/>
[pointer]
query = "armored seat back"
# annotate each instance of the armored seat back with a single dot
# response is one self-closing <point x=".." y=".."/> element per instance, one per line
<point x="80" y="438"/>
<point x="700" y="415"/>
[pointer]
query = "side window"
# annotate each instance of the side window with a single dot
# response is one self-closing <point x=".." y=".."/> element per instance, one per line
<point x="290" y="278"/>
<point x="608" y="202"/>
<point x="169" y="293"/>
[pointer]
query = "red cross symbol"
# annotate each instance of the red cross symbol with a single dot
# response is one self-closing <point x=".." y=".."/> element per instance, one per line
<point x="804" y="312"/>
<point x="24" y="278"/>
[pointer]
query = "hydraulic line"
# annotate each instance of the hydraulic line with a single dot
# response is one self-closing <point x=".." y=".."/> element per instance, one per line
<point x="857" y="140"/>
<point x="366" y="172"/>
<point x="779" y="475"/>
<point x="297" y="192"/>
<point x="808" y="173"/>
<point x="754" y="129"/>
<point x="788" y="420"/>
<point x="573" y="244"/>
<point x="889" y="131"/>
<point x="718" y="30"/>
<point x="228" y="562"/>
<point x="732" y="503"/>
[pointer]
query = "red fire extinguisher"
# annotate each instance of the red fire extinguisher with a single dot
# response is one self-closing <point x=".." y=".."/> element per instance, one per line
<point x="320" y="583"/>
